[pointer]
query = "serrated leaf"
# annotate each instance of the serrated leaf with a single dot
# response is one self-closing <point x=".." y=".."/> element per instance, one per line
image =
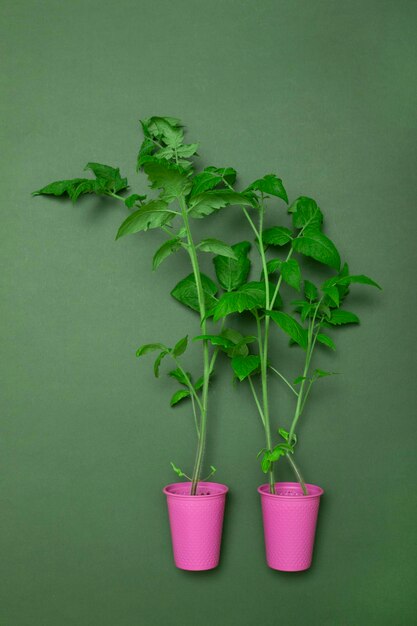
<point x="310" y="291"/>
<point x="211" y="177"/>
<point x="348" y="280"/>
<point x="164" y="153"/>
<point x="187" y="150"/>
<point x="146" y="149"/>
<point x="87" y="186"/>
<point x="248" y="297"/>
<point x="110" y="175"/>
<point x="290" y="326"/>
<point x="216" y="247"/>
<point x="59" y="187"/>
<point x="276" y="236"/>
<point x="132" y="199"/>
<point x="179" y="376"/>
<point x="326" y="341"/>
<point x="239" y="341"/>
<point x="339" y="317"/>
<point x="317" y="246"/>
<point x="273" y="265"/>
<point x="244" y="366"/>
<point x="166" y="128"/>
<point x="333" y="294"/>
<point x="150" y="347"/>
<point x="186" y="292"/>
<point x="164" y="251"/>
<point x="179" y="395"/>
<point x="173" y="179"/>
<point x="305" y="212"/>
<point x="233" y="273"/>
<point x="150" y="215"/>
<point x="291" y="273"/>
<point x="269" y="184"/>
<point x="206" y="203"/>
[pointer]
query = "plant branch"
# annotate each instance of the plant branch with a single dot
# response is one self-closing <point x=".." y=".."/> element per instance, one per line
<point x="256" y="400"/>
<point x="284" y="379"/>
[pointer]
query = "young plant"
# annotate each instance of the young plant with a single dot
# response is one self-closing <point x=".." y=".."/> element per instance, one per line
<point x="182" y="196"/>
<point x="318" y="310"/>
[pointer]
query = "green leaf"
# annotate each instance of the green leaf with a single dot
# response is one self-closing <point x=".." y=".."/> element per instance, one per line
<point x="167" y="176"/>
<point x="206" y="203"/>
<point x="187" y="150"/>
<point x="110" y="175"/>
<point x="179" y="395"/>
<point x="150" y="347"/>
<point x="217" y="247"/>
<point x="310" y="291"/>
<point x="239" y="342"/>
<point x="339" y="317"/>
<point x="186" y="292"/>
<point x="321" y="373"/>
<point x="248" y="297"/>
<point x="215" y="340"/>
<point x="285" y="435"/>
<point x="145" y="151"/>
<point x="269" y="184"/>
<point x="273" y="265"/>
<point x="282" y="449"/>
<point x="132" y="199"/>
<point x="291" y="273"/>
<point x="166" y="128"/>
<point x="211" y="177"/>
<point x="299" y="379"/>
<point x="180" y="347"/>
<point x="265" y="463"/>
<point x="317" y="246"/>
<point x="276" y="236"/>
<point x="232" y="273"/>
<point x="150" y="215"/>
<point x="179" y="376"/>
<point x="178" y="471"/>
<point x="87" y="186"/>
<point x="61" y="187"/>
<point x="333" y="294"/>
<point x="158" y="361"/>
<point x="199" y="383"/>
<point x="290" y="326"/>
<point x="165" y="153"/>
<point x="348" y="280"/>
<point x="167" y="248"/>
<point x="305" y="212"/>
<point x="326" y="341"/>
<point x="244" y="366"/>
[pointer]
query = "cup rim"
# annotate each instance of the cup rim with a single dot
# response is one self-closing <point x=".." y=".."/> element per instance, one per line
<point x="220" y="490"/>
<point x="315" y="489"/>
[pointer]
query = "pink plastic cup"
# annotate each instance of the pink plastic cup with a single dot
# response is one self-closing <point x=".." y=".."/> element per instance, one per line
<point x="196" y="524"/>
<point x="289" y="525"/>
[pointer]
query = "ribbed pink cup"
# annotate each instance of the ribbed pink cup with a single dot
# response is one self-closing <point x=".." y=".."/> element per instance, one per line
<point x="289" y="525"/>
<point x="196" y="524"/>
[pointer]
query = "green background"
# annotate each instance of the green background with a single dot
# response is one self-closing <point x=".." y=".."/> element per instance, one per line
<point x="322" y="93"/>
